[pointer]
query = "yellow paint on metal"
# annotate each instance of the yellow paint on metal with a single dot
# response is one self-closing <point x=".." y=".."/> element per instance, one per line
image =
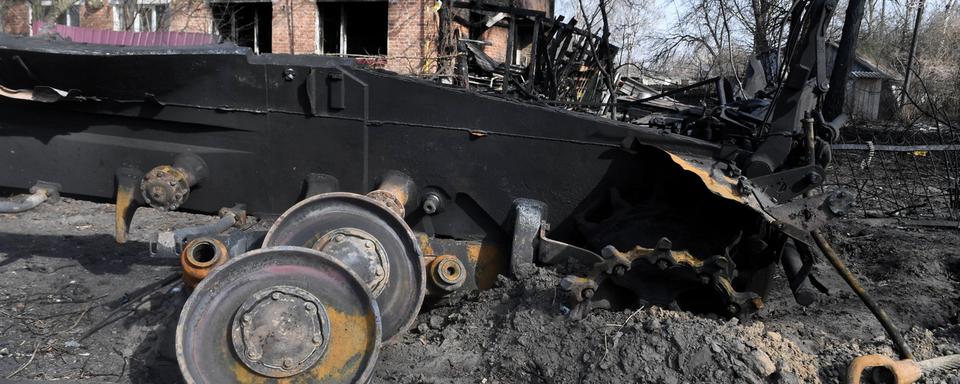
<point x="723" y="185"/>
<point x="489" y="262"/>
<point x="425" y="247"/>
<point x="244" y="375"/>
<point x="680" y="257"/>
<point x="352" y="339"/>
<point x="124" y="202"/>
<point x="684" y="257"/>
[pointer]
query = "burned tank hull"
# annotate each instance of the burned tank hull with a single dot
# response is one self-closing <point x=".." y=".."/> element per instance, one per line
<point x="263" y="123"/>
<point x="420" y="189"/>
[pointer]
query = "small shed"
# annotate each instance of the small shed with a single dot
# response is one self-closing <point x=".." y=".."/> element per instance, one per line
<point x="870" y="88"/>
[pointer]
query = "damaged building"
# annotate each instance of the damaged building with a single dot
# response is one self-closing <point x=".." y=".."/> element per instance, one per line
<point x="399" y="35"/>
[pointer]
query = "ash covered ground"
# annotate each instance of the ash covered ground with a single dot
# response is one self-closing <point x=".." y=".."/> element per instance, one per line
<point x="61" y="273"/>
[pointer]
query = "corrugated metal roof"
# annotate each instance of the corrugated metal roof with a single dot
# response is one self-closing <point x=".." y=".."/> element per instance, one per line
<point x="125" y="38"/>
<point x="869" y="75"/>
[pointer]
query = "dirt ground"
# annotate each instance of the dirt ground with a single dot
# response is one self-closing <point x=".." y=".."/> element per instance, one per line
<point x="61" y="273"/>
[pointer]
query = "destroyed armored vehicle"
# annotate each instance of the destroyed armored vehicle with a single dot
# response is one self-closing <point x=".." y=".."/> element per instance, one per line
<point x="386" y="190"/>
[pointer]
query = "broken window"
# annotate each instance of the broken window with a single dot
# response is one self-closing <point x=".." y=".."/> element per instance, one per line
<point x="523" y="44"/>
<point x="352" y="28"/>
<point x="246" y="24"/>
<point x="69" y="16"/>
<point x="140" y="15"/>
<point x="150" y="16"/>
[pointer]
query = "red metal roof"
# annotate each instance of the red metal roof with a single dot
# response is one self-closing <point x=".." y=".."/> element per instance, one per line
<point x="126" y="38"/>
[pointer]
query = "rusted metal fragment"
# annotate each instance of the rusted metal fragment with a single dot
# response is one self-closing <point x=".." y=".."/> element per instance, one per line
<point x="41" y="94"/>
<point x="715" y="180"/>
<point x="901" y="371"/>
<point x="167" y="187"/>
<point x="795" y="218"/>
<point x="447" y="273"/>
<point x="482" y="260"/>
<point x="199" y="257"/>
<point x="127" y="201"/>
<point x="395" y="191"/>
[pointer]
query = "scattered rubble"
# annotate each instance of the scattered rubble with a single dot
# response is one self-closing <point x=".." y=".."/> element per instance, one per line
<point x="62" y="273"/>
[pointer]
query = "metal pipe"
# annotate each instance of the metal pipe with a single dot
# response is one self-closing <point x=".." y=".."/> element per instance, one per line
<point x="803" y="291"/>
<point x="170" y="243"/>
<point x="204" y="253"/>
<point x="943" y="363"/>
<point x="889" y="371"/>
<point x="902" y="348"/>
<point x="25" y="202"/>
<point x="396" y="191"/>
<point x="21" y="203"/>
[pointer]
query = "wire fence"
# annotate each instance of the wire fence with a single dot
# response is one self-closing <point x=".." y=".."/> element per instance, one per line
<point x="909" y="173"/>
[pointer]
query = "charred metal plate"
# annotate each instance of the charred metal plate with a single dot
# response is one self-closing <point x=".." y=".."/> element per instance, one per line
<point x="280" y="313"/>
<point x="314" y="221"/>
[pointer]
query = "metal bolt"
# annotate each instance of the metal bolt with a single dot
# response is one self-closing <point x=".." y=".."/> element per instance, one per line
<point x="247" y="319"/>
<point x="287" y="363"/>
<point x="289" y="74"/>
<point x="368" y="244"/>
<point x="253" y="354"/>
<point x="317" y="340"/>
<point x="275" y="295"/>
<point x="339" y="238"/>
<point x="431" y="203"/>
<point x="587" y="293"/>
<point x="310" y="307"/>
<point x="379" y="271"/>
<point x="619" y="270"/>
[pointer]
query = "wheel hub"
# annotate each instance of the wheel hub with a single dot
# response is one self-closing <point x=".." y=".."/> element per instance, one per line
<point x="279" y="314"/>
<point x="362" y="252"/>
<point x="280" y="331"/>
<point x="366" y="237"/>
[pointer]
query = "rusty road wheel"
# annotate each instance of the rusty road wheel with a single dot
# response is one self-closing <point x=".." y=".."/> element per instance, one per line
<point x="279" y="313"/>
<point x="372" y="240"/>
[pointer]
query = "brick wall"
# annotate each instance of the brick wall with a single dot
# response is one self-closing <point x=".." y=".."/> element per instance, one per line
<point x="411" y="31"/>
<point x="411" y="36"/>
<point x="497" y="37"/>
<point x="15" y="19"/>
<point x="190" y="16"/>
<point x="100" y="17"/>
<point x="301" y="15"/>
